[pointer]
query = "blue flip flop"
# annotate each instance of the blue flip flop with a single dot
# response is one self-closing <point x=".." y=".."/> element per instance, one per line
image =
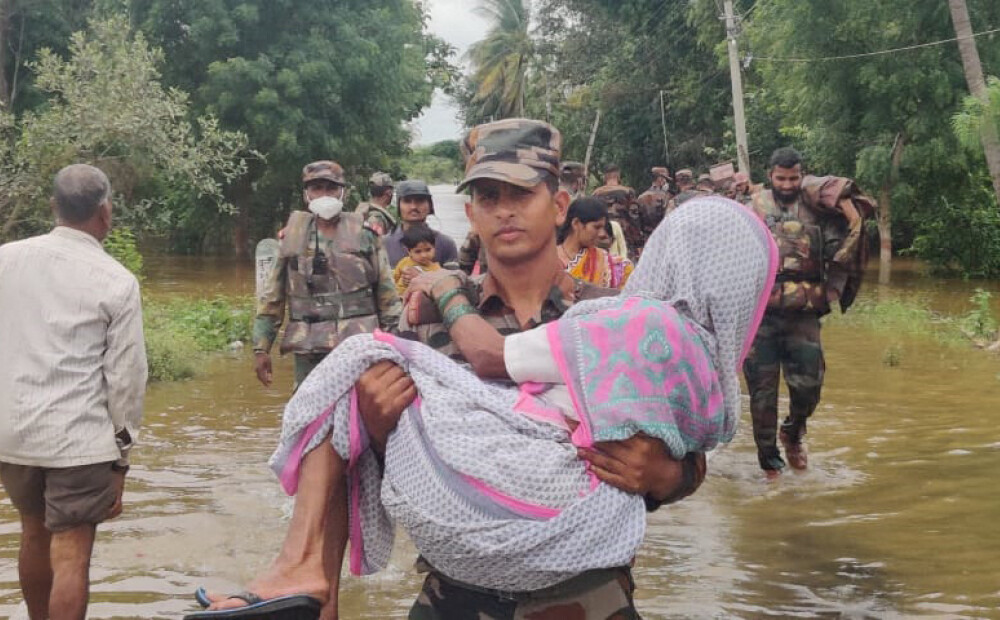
<point x="295" y="607"/>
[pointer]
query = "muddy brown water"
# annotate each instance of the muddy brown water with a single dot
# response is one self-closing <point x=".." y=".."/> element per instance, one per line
<point x="897" y="517"/>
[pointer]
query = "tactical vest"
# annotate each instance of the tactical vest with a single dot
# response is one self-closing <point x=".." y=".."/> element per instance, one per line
<point x="331" y="283"/>
<point x="799" y="284"/>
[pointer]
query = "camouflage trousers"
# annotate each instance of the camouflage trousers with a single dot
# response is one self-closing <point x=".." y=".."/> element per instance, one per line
<point x="789" y="343"/>
<point x="304" y="364"/>
<point x="604" y="594"/>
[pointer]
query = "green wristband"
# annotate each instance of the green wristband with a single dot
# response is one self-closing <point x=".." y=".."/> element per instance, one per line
<point x="456" y="312"/>
<point x="442" y="302"/>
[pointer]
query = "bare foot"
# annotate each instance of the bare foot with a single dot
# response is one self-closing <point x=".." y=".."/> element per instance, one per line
<point x="280" y="580"/>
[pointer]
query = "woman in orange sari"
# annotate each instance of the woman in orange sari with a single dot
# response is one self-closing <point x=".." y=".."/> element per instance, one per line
<point x="578" y="246"/>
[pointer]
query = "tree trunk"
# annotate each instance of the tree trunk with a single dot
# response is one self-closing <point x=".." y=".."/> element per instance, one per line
<point x="590" y="149"/>
<point x="6" y="7"/>
<point x="885" y="211"/>
<point x="977" y="85"/>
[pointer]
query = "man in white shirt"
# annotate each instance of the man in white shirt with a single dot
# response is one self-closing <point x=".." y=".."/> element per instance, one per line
<point x="72" y="381"/>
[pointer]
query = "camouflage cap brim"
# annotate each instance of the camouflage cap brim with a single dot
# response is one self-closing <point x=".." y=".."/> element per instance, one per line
<point x="516" y="174"/>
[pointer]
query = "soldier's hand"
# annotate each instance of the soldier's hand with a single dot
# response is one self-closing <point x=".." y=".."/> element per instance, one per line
<point x="262" y="366"/>
<point x="384" y="392"/>
<point x="434" y="284"/>
<point x="641" y="464"/>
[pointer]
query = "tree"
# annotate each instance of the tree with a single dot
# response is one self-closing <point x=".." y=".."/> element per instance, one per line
<point x="501" y="60"/>
<point x="304" y="84"/>
<point x="876" y="118"/>
<point x="105" y="106"/>
<point x="26" y="27"/>
<point x="977" y="85"/>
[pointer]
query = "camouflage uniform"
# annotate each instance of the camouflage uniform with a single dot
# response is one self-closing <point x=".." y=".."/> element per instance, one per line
<point x="352" y="293"/>
<point x="653" y="204"/>
<point x="523" y="153"/>
<point x="789" y="336"/>
<point x="376" y="217"/>
<point x="605" y="593"/>
<point x="623" y="209"/>
<point x="379" y="220"/>
<point x="472" y="252"/>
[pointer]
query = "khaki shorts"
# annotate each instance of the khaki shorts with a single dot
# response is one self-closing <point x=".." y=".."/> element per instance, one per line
<point x="64" y="497"/>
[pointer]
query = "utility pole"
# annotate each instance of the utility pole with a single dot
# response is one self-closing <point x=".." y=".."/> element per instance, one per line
<point x="663" y="121"/>
<point x="590" y="145"/>
<point x="742" y="151"/>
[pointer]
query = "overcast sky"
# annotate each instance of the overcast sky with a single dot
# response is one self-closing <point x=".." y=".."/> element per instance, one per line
<point x="455" y="22"/>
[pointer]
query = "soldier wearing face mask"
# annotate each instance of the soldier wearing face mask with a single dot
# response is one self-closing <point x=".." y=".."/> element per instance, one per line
<point x="333" y="274"/>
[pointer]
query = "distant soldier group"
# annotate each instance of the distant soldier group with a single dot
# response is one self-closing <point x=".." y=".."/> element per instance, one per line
<point x="638" y="216"/>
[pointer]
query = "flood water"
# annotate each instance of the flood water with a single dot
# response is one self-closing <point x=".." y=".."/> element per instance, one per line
<point x="897" y="517"/>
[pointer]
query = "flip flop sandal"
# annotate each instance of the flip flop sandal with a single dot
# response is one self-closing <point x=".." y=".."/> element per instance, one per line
<point x="295" y="607"/>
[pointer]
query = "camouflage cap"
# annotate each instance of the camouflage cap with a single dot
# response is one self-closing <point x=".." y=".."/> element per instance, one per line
<point x="704" y="177"/>
<point x="685" y="173"/>
<point x="615" y="194"/>
<point x="380" y="179"/>
<point x="572" y="169"/>
<point x="660" y="171"/>
<point x="519" y="151"/>
<point x="323" y="170"/>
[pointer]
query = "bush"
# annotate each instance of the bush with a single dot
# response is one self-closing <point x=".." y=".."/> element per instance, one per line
<point x="180" y="331"/>
<point x="962" y="236"/>
<point x="171" y="355"/>
<point x="120" y="244"/>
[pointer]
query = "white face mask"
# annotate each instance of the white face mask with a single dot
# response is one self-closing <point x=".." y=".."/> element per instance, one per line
<point x="326" y="207"/>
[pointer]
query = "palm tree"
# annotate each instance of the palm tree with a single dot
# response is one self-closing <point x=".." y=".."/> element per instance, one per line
<point x="977" y="85"/>
<point x="500" y="61"/>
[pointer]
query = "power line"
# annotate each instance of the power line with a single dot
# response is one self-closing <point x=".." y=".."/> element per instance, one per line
<point x="878" y="53"/>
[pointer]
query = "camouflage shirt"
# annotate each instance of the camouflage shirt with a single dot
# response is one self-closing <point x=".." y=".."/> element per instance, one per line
<point x="564" y="292"/>
<point x="277" y="294"/>
<point x="377" y="218"/>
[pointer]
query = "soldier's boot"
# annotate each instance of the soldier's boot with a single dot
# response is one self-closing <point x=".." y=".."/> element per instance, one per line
<point x="790" y="435"/>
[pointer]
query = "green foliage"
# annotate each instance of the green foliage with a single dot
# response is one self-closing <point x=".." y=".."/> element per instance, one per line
<point x="976" y="114"/>
<point x="980" y="323"/>
<point x="303" y="81"/>
<point x="179" y="332"/>
<point x="847" y="114"/>
<point x="212" y="323"/>
<point x="106" y="107"/>
<point x="120" y="244"/>
<point x="171" y="355"/>
<point x="962" y="236"/>
<point x="437" y="163"/>
<point x="500" y="61"/>
<point x="910" y="317"/>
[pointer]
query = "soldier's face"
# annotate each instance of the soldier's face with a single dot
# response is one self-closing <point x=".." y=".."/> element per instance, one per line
<point x="320" y="188"/>
<point x="414" y="209"/>
<point x="786" y="182"/>
<point x="515" y="225"/>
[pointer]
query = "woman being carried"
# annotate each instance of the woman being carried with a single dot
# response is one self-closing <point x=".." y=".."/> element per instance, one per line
<point x="484" y="477"/>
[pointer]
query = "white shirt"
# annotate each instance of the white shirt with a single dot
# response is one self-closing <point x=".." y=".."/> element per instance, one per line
<point x="72" y="355"/>
<point x="528" y="357"/>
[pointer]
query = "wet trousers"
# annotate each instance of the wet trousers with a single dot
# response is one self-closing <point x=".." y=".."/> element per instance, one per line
<point x="595" y="595"/>
<point x="789" y="343"/>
